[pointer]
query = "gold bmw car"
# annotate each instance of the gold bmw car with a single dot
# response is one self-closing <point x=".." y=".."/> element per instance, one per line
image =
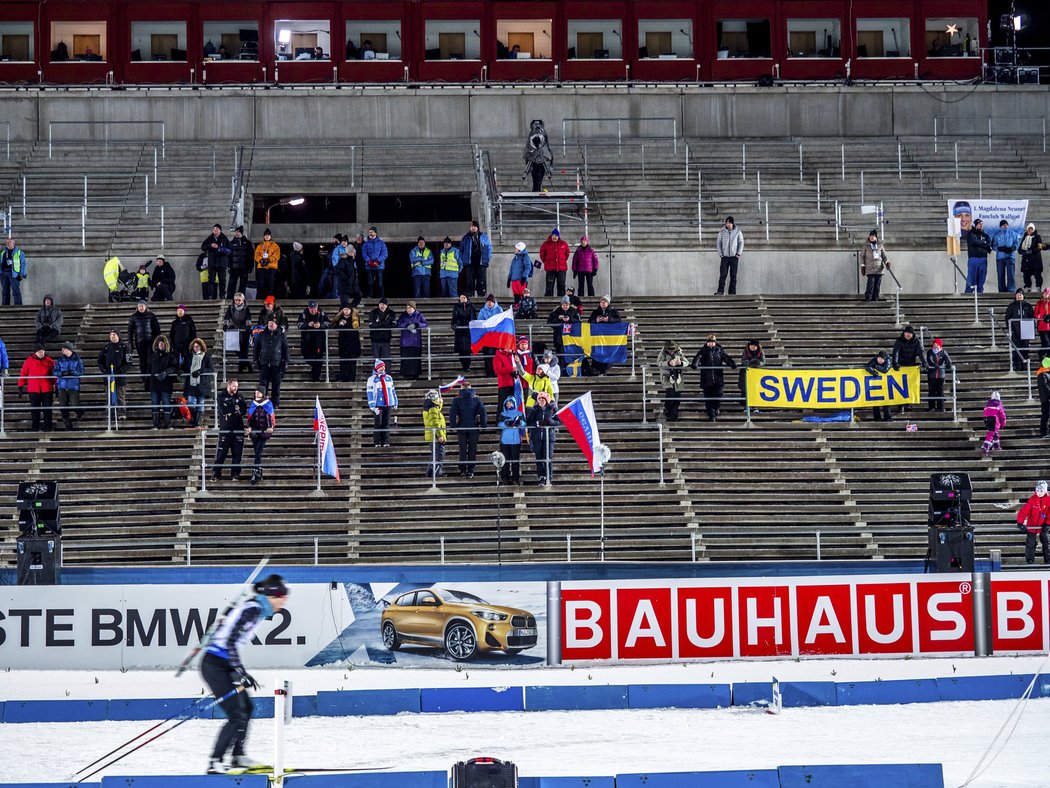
<point x="462" y="624"/>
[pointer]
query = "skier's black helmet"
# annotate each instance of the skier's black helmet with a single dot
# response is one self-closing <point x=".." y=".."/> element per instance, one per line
<point x="272" y="586"/>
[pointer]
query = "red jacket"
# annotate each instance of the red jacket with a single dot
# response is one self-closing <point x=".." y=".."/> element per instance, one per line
<point x="1035" y="514"/>
<point x="503" y="365"/>
<point x="1042" y="314"/>
<point x="37" y="375"/>
<point x="554" y="255"/>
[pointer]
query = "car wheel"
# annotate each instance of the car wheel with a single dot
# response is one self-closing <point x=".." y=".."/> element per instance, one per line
<point x="390" y="638"/>
<point x="460" y="641"/>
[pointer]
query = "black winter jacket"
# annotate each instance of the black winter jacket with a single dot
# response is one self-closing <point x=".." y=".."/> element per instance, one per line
<point x="873" y="367"/>
<point x="115" y="355"/>
<point x="938" y="365"/>
<point x="710" y="360"/>
<point x="271" y="349"/>
<point x="232" y="409"/>
<point x="347" y="280"/>
<point x="163" y="370"/>
<point x="237" y="318"/>
<point x="908" y="353"/>
<point x="380" y="323"/>
<point x="978" y="244"/>
<point x="349" y="338"/>
<point x="242" y="254"/>
<point x="217" y="258"/>
<point x="183" y="331"/>
<point x="143" y="327"/>
<point x="468" y="411"/>
<point x="1018" y="310"/>
<point x="163" y="275"/>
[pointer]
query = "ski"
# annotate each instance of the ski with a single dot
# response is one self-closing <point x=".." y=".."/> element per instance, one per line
<point x="210" y="631"/>
<point x="313" y="770"/>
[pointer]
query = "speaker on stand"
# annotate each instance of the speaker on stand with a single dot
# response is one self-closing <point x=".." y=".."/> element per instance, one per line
<point x="39" y="544"/>
<point x="950" y="543"/>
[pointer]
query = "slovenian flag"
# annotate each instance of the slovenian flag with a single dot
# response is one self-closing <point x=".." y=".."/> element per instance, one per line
<point x="325" y="450"/>
<point x="495" y="332"/>
<point x="578" y="418"/>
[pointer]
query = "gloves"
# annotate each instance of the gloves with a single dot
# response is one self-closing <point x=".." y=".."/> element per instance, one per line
<point x="248" y="681"/>
<point x="524" y="282"/>
<point x="21" y="392"/>
<point x="508" y="283"/>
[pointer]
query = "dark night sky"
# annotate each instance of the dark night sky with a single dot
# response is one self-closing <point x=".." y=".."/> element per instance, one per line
<point x="1037" y="24"/>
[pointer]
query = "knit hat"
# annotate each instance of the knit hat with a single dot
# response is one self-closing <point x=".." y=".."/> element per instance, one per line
<point x="556" y="233"/>
<point x="311" y="304"/>
<point x="908" y="330"/>
<point x="270" y="300"/>
<point x="433" y="395"/>
<point x="995" y="395"/>
<point x="161" y="257"/>
<point x="143" y="301"/>
<point x="1029" y="227"/>
<point x="1019" y="290"/>
<point x="712" y="338"/>
<point x="39" y="346"/>
<point x="585" y="239"/>
<point x="607" y="298"/>
<point x="565" y="300"/>
<point x="373" y="230"/>
<point x="411" y="304"/>
<point x="384" y="301"/>
<point x="380" y="364"/>
<point x="938" y="342"/>
<point x="520" y="246"/>
<point x="447" y="240"/>
<point x="266" y="232"/>
<point x="544" y="368"/>
<point x="180" y="306"/>
<point x="522" y="338"/>
<point x="421" y="238"/>
<point x="882" y="353"/>
<point x="490" y="297"/>
<point x="1040" y="486"/>
<point x="297" y="246"/>
<point x="239" y="229"/>
<point x="729" y="220"/>
<point x="68" y="346"/>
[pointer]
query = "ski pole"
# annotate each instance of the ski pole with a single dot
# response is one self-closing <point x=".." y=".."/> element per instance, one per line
<point x="215" y="702"/>
<point x="119" y="747"/>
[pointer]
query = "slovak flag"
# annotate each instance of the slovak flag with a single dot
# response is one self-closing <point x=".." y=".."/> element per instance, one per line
<point x="578" y="418"/>
<point x="326" y="449"/>
<point x="495" y="332"/>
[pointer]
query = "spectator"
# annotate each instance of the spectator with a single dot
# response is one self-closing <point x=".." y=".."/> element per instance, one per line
<point x="267" y="261"/>
<point x="202" y="275"/>
<point x="261" y="422"/>
<point x="347" y="282"/>
<point x="511" y="423"/>
<point x="232" y="410"/>
<point x="299" y="273"/>
<point x="753" y="357"/>
<point x="411" y="322"/>
<point x="603" y="313"/>
<point x="994" y="420"/>
<point x="348" y="337"/>
<point x="142" y="282"/>
<point x="434" y="434"/>
<point x="114" y="359"/>
<point x="575" y="300"/>
<point x="554" y="254"/>
<point x="163" y="369"/>
<point x="271" y="357"/>
<point x="585" y="265"/>
<point x="491" y="308"/>
<point x="4" y="361"/>
<point x="1030" y="246"/>
<point x="468" y="417"/>
<point x="270" y="309"/>
<point x="462" y="313"/>
<point x="539" y="383"/>
<point x="242" y="261"/>
<point x="217" y="248"/>
<point x="37" y="377"/>
<point x="143" y="327"/>
<point x="1005" y="241"/>
<point x="381" y="321"/>
<point x="1033" y="522"/>
<point x="238" y="318"/>
<point x="327" y="286"/>
<point x="448" y="263"/>
<point x="421" y="261"/>
<point x="13" y="269"/>
<point x="525" y="309"/>
<point x="375" y="254"/>
<point x="938" y="364"/>
<point x="730" y="246"/>
<point x="520" y="270"/>
<point x="873" y="263"/>
<point x="506" y="372"/>
<point x="48" y="322"/>
<point x="382" y="399"/>
<point x="313" y="338"/>
<point x="475" y="254"/>
<point x="672" y="367"/>
<point x="542" y="420"/>
<point x="524" y="354"/>
<point x="1017" y="313"/>
<point x="1042" y="384"/>
<point x="553" y="370"/>
<point x="978" y="246"/>
<point x="183" y="331"/>
<point x="68" y="370"/>
<point x="908" y="352"/>
<point x="162" y="282"/>
<point x="560" y="320"/>
<point x="709" y="360"/>
<point x="1042" y="316"/>
<point x="879" y="365"/>
<point x="199" y="380"/>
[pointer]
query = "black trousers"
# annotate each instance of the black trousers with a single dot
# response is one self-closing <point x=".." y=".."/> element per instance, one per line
<point x="221" y="677"/>
<point x="40" y="405"/>
<point x="727" y="268"/>
<point x="538" y="174"/>
<point x="1044" y="416"/>
<point x="1029" y="546"/>
<point x="259" y="440"/>
<point x="511" y="471"/>
<point x="410" y="362"/>
<point x="873" y="288"/>
<point x="381" y="350"/>
<point x="480" y="281"/>
<point x="586" y="284"/>
<point x="381" y="435"/>
<point x="672" y="399"/>
<point x="265" y="281"/>
<point x="217" y="280"/>
<point x="270" y="378"/>
<point x="555" y="278"/>
<point x="468" y="450"/>
<point x="238" y="282"/>
<point x="230" y="442"/>
<point x="935" y="396"/>
<point x="462" y="345"/>
<point x="881" y="414"/>
<point x="143" y="348"/>
<point x="1019" y="357"/>
<point x="713" y="400"/>
<point x="375" y="283"/>
<point x="1029" y="275"/>
<point x="348" y="369"/>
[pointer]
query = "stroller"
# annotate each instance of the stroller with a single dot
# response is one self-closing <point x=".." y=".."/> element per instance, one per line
<point x="127" y="285"/>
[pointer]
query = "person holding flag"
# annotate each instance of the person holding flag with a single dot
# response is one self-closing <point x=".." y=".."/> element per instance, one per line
<point x="561" y="321"/>
<point x="325" y="447"/>
<point x="382" y="398"/>
<point x="113" y="361"/>
<point x="542" y="421"/>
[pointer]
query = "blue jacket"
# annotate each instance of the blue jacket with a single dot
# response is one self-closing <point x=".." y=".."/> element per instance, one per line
<point x="1005" y="238"/>
<point x="337" y="250"/>
<point x="421" y="260"/>
<point x="465" y="248"/>
<point x="68" y="372"/>
<point x="3" y="355"/>
<point x="374" y="390"/>
<point x="374" y="249"/>
<point x="485" y="313"/>
<point x="511" y="422"/>
<point x="520" y="267"/>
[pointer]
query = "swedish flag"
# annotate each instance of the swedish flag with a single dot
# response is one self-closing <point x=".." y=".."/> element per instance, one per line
<point x="603" y="342"/>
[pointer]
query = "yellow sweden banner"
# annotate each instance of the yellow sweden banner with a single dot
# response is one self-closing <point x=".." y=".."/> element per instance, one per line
<point x="831" y="388"/>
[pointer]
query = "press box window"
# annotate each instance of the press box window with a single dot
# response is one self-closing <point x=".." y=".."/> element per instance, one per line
<point x="523" y="39"/>
<point x="595" y="39"/>
<point x="951" y="37"/>
<point x="813" y="38"/>
<point x="302" y="39"/>
<point x="78" y="41"/>
<point x="884" y="37"/>
<point x="452" y="39"/>
<point x="231" y="40"/>
<point x="743" y="38"/>
<point x="373" y="40"/>
<point x="16" y="42"/>
<point x="665" y="38"/>
<point x="158" y="41"/>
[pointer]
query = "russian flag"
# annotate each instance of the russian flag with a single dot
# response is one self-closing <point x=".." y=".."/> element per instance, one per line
<point x="578" y="418"/>
<point x="325" y="448"/>
<point x="496" y="332"/>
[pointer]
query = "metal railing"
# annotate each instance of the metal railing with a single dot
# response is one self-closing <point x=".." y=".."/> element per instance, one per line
<point x="620" y="123"/>
<point x="105" y="125"/>
<point x="985" y="125"/>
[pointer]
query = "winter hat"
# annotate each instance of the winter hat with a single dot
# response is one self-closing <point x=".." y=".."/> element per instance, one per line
<point x="311" y="303"/>
<point x="411" y="304"/>
<point x="544" y="368"/>
<point x="755" y="342"/>
<point x="1040" y="486"/>
<point x="1004" y="223"/>
<point x="522" y="338"/>
<point x="1046" y="291"/>
<point x="565" y="300"/>
<point x="729" y="220"/>
<point x="585" y="239"/>
<point x="712" y="338"/>
<point x="180" y="306"/>
<point x="548" y="354"/>
<point x="267" y="232"/>
<point x="379" y="365"/>
<point x="433" y="395"/>
<point x="447" y="240"/>
<point x="520" y="246"/>
<point x="874" y="232"/>
<point x="161" y="257"/>
<point x="144" y="302"/>
<point x="384" y="301"/>
<point x="881" y="353"/>
<point x="1029" y="227"/>
<point x="995" y="395"/>
<point x="239" y="229"/>
<point x="270" y="300"/>
<point x="39" y="346"/>
<point x="908" y="330"/>
<point x="272" y="586"/>
<point x="1046" y="361"/>
<point x="490" y="297"/>
<point x="938" y="342"/>
<point x="297" y="246"/>
<point x="421" y="238"/>
<point x="68" y="346"/>
<point x="556" y="233"/>
<point x="606" y="298"/>
<point x="373" y="230"/>
<point x="1019" y="290"/>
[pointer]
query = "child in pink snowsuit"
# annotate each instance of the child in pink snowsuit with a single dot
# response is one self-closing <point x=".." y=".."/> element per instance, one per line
<point x="994" y="421"/>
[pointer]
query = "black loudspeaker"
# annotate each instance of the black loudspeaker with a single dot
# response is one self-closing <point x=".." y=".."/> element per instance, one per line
<point x="765" y="81"/>
<point x="39" y="561"/>
<point x="484" y="773"/>
<point x="950" y="496"/>
<point x="38" y="508"/>
<point x="951" y="549"/>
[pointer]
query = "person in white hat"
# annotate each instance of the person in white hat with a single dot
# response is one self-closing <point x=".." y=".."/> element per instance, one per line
<point x="520" y="271"/>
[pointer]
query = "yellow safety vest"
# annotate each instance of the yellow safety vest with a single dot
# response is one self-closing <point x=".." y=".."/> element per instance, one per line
<point x="449" y="260"/>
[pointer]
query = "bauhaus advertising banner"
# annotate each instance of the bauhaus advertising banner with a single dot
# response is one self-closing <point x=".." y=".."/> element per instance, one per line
<point x="838" y="389"/>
